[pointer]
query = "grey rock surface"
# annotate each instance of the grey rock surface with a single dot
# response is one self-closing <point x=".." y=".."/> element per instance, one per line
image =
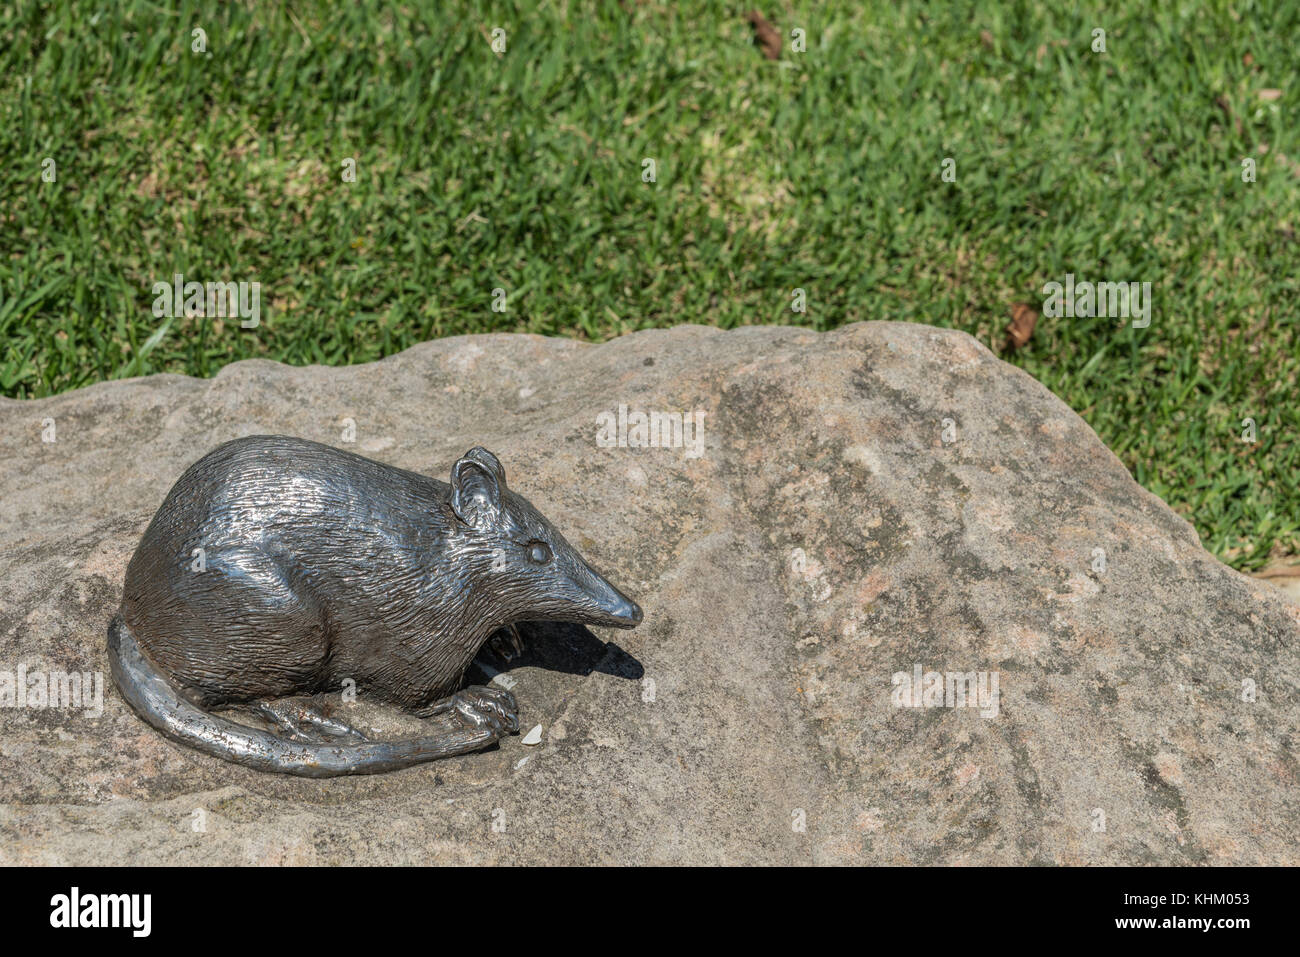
<point x="865" y="502"/>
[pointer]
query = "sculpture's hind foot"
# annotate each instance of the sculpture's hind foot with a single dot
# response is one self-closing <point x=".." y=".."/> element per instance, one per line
<point x="481" y="707"/>
<point x="308" y="723"/>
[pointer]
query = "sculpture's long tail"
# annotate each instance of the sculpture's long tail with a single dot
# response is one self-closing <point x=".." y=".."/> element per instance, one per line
<point x="154" y="699"/>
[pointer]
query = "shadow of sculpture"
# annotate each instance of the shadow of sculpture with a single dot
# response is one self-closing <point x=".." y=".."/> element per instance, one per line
<point x="559" y="647"/>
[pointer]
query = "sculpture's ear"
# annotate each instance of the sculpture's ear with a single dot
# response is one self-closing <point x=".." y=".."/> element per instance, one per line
<point x="477" y="484"/>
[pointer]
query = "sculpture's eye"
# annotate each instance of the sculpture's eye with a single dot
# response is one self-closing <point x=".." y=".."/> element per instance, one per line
<point x="539" y="553"/>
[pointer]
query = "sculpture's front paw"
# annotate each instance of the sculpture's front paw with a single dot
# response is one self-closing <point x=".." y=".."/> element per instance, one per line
<point x="506" y="643"/>
<point x="492" y="708"/>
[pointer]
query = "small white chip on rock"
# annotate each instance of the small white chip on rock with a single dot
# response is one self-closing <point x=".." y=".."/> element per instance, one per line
<point x="534" y="736"/>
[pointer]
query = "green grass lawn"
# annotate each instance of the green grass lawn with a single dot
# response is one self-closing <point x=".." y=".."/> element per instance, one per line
<point x="523" y="171"/>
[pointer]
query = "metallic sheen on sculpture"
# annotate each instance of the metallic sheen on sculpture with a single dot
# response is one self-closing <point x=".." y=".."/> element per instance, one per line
<point x="278" y="567"/>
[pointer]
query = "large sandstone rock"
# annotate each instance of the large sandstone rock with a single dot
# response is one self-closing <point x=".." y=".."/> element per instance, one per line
<point x="834" y="531"/>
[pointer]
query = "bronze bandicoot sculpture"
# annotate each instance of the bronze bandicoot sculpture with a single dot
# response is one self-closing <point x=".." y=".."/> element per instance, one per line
<point x="278" y="567"/>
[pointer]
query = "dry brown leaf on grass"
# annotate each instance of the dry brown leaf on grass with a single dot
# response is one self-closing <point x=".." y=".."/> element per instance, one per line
<point x="1283" y="575"/>
<point x="1023" y="319"/>
<point x="1279" y="569"/>
<point x="765" y="35"/>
